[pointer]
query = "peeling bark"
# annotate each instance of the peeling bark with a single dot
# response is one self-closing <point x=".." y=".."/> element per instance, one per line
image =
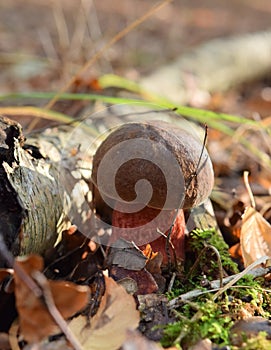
<point x="31" y="202"/>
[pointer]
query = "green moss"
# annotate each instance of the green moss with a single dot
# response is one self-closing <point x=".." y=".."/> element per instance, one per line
<point x="258" y="342"/>
<point x="205" y="318"/>
<point x="206" y="322"/>
<point x="202" y="317"/>
<point x="199" y="239"/>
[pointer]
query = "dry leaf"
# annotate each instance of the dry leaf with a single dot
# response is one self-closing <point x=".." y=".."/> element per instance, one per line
<point x="155" y="259"/>
<point x="148" y="252"/>
<point x="129" y="285"/>
<point x="4" y="341"/>
<point x="126" y="255"/>
<point x="107" y="329"/>
<point x="5" y="273"/>
<point x="145" y="281"/>
<point x="35" y="320"/>
<point x="235" y="252"/>
<point x="255" y="237"/>
<point x="153" y="312"/>
<point x="136" y="341"/>
<point x="154" y="264"/>
<point x="249" y="328"/>
<point x="204" y="344"/>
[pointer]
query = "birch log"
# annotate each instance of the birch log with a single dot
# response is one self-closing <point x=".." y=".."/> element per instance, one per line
<point x="30" y="198"/>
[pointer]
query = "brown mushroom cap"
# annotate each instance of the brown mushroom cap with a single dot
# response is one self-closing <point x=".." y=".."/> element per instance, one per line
<point x="164" y="154"/>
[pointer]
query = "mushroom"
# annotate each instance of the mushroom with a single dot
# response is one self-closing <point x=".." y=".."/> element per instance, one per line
<point x="144" y="175"/>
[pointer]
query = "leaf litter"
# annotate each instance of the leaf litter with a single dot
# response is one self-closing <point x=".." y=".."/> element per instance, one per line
<point x="107" y="329"/>
<point x="77" y="263"/>
<point x="255" y="236"/>
<point x="68" y="298"/>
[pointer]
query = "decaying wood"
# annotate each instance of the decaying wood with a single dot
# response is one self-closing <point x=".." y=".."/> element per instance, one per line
<point x="12" y="211"/>
<point x="213" y="66"/>
<point x="30" y="199"/>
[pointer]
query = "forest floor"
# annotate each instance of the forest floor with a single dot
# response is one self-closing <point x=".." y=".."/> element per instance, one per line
<point x="44" y="43"/>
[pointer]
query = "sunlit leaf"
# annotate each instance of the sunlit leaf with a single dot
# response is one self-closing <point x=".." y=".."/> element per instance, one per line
<point x="136" y="341"/>
<point x="107" y="329"/>
<point x="255" y="236"/>
<point x="35" y="320"/>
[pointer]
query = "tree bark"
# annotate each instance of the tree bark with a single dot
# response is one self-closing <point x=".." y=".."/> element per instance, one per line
<point x="31" y="201"/>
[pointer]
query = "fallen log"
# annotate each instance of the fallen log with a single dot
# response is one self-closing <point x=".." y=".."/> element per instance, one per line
<point x="30" y="200"/>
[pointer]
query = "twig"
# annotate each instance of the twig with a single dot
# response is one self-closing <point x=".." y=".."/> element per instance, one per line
<point x="61" y="25"/>
<point x="219" y="262"/>
<point x="169" y="244"/>
<point x="208" y="246"/>
<point x="241" y="274"/>
<point x="214" y="285"/>
<point x="171" y="282"/>
<point x="49" y="301"/>
<point x="248" y="188"/>
<point x="6" y="254"/>
<point x="13" y="333"/>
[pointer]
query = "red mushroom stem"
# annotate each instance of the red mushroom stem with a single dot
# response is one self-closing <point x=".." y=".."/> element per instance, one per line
<point x="145" y="226"/>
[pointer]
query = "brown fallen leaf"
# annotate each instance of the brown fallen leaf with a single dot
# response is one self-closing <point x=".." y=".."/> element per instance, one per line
<point x="4" y="341"/>
<point x="236" y="253"/>
<point x="145" y="282"/>
<point x="255" y="237"/>
<point x="125" y="254"/>
<point x="204" y="344"/>
<point x="107" y="329"/>
<point x="35" y="320"/>
<point x="136" y="341"/>
<point x="154" y="262"/>
<point x="144" y="267"/>
<point x="249" y="328"/>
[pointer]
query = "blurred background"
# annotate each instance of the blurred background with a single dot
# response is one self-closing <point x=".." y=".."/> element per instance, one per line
<point x="43" y="43"/>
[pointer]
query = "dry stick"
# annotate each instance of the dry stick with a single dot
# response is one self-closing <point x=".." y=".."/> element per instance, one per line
<point x="196" y="263"/>
<point x="250" y="270"/>
<point x="171" y="282"/>
<point x="49" y="301"/>
<point x="39" y="290"/>
<point x="237" y="277"/>
<point x="6" y="254"/>
<point x="13" y="335"/>
<point x="110" y="43"/>
<point x="248" y="188"/>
